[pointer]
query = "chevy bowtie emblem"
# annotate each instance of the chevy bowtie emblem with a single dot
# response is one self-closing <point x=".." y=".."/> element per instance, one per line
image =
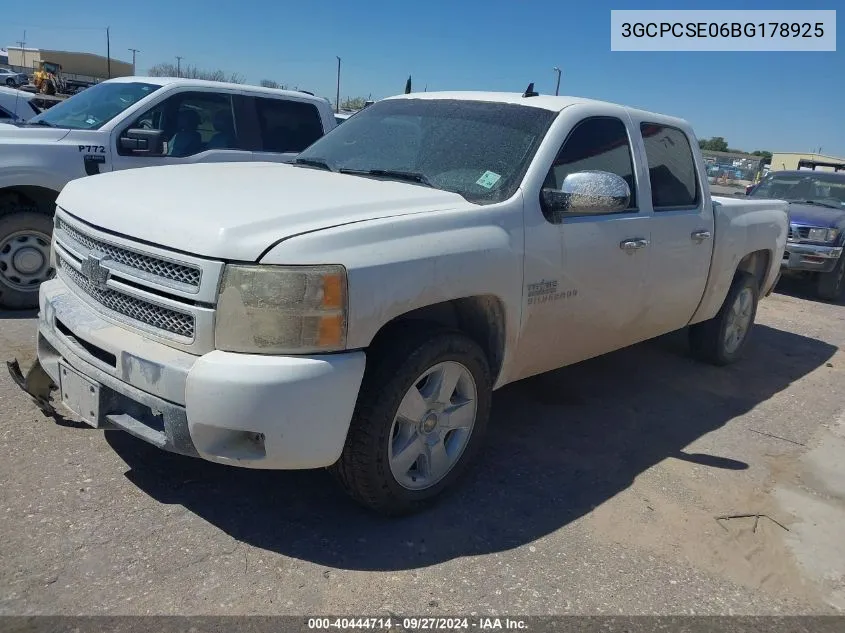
<point x="94" y="271"/>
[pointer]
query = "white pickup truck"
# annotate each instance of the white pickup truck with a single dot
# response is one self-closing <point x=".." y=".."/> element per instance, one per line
<point x="126" y="123"/>
<point x="356" y="309"/>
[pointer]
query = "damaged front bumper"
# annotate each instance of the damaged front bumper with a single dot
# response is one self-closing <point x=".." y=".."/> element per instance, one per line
<point x="255" y="411"/>
<point x="37" y="384"/>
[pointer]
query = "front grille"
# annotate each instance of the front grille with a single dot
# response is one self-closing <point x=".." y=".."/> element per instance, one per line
<point x="139" y="310"/>
<point x="154" y="266"/>
<point x="798" y="232"/>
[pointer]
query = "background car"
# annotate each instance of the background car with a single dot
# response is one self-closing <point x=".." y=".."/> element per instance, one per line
<point x="12" y="79"/>
<point x="816" y="239"/>
<point x="17" y="105"/>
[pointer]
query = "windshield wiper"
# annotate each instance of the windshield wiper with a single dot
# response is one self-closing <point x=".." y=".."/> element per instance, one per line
<point x="821" y="204"/>
<point x="44" y="123"/>
<point x="314" y="162"/>
<point x="410" y="176"/>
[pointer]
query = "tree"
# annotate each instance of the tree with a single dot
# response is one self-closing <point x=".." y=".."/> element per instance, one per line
<point x="192" y="72"/>
<point x="715" y="144"/>
<point x="761" y="152"/>
<point x="355" y="103"/>
<point x="269" y="83"/>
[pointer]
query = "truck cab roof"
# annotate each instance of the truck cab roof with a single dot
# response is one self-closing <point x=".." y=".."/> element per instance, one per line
<point x="217" y="85"/>
<point x="546" y="102"/>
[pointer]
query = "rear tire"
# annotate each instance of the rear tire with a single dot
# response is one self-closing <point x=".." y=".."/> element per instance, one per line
<point x="10" y="82"/>
<point x="24" y="258"/>
<point x="722" y="339"/>
<point x="831" y="286"/>
<point x="397" y="463"/>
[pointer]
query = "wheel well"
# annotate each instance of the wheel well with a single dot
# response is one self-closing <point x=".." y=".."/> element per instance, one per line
<point x="756" y="263"/>
<point x="481" y="318"/>
<point x="39" y="199"/>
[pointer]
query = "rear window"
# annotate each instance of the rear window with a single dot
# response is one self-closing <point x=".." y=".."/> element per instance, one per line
<point x="671" y="167"/>
<point x="287" y="126"/>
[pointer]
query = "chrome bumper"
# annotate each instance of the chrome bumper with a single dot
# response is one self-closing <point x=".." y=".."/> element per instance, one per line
<point x="812" y="257"/>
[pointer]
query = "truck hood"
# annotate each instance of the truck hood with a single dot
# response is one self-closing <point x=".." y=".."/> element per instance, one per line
<point x="12" y="134"/>
<point x="815" y="215"/>
<point x="236" y="211"/>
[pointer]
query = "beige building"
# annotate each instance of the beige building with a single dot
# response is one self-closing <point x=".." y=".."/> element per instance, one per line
<point x="83" y="64"/>
<point x="796" y="160"/>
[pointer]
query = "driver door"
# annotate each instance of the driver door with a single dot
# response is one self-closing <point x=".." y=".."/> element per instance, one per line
<point x="585" y="283"/>
<point x="198" y="126"/>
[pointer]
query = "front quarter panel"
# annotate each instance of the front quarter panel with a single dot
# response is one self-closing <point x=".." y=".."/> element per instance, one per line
<point x="54" y="163"/>
<point x="396" y="265"/>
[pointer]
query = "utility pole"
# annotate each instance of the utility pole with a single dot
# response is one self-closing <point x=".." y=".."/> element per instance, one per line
<point x="178" y="66"/>
<point x="557" y="87"/>
<point x="134" y="50"/>
<point x="108" y="53"/>
<point x="23" y="50"/>
<point x="337" y="101"/>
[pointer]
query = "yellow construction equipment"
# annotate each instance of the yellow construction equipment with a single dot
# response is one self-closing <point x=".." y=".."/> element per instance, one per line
<point x="48" y="78"/>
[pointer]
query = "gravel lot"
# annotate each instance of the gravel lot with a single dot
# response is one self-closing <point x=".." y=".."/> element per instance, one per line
<point x="598" y="494"/>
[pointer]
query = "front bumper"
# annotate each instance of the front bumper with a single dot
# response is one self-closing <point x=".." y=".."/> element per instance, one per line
<point x="810" y="257"/>
<point x="274" y="412"/>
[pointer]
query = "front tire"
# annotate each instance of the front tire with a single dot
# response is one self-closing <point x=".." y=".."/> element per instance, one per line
<point x="831" y="286"/>
<point x="420" y="419"/>
<point x="722" y="339"/>
<point x="24" y="258"/>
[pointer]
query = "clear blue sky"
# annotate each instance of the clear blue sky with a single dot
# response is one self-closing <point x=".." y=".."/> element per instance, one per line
<point x="774" y="101"/>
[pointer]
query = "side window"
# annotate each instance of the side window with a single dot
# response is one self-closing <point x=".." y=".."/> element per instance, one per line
<point x="671" y="167"/>
<point x="287" y="126"/>
<point x="193" y="122"/>
<point x="598" y="143"/>
<point x="4" y="115"/>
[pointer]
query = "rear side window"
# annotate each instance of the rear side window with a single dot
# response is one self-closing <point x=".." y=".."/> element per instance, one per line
<point x="671" y="167"/>
<point x="287" y="126"/>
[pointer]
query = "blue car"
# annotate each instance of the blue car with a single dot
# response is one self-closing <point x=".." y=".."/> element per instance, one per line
<point x="816" y="226"/>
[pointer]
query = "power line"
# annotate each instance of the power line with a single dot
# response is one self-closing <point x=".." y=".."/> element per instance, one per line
<point x="55" y="28"/>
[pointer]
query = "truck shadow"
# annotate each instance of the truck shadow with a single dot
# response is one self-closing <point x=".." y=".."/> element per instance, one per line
<point x="803" y="289"/>
<point x="18" y="314"/>
<point x="560" y="444"/>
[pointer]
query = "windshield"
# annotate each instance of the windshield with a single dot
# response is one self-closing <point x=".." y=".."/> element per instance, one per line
<point x="94" y="107"/>
<point x="816" y="188"/>
<point x="476" y="149"/>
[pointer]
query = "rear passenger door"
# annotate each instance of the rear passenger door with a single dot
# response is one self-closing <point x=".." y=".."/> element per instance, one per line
<point x="284" y="128"/>
<point x="682" y="227"/>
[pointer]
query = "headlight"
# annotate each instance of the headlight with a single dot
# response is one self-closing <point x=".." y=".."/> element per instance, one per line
<point x="282" y="309"/>
<point x="822" y="235"/>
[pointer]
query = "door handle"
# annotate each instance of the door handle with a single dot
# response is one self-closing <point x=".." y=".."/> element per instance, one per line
<point x="700" y="236"/>
<point x="633" y="244"/>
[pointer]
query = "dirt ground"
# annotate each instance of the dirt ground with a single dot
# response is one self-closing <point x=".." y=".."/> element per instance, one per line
<point x="600" y="493"/>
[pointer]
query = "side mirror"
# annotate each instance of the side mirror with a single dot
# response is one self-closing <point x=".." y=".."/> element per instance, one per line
<point x="142" y="142"/>
<point x="588" y="193"/>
